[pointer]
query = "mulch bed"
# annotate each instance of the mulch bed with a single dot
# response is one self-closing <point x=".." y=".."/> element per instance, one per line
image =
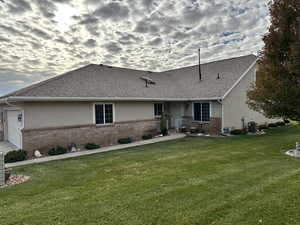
<point x="15" y="179"/>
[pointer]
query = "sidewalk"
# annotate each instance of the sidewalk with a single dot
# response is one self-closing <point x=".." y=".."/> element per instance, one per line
<point x="90" y="152"/>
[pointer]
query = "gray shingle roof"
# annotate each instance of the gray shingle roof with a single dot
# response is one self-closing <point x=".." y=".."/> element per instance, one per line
<point x="104" y="81"/>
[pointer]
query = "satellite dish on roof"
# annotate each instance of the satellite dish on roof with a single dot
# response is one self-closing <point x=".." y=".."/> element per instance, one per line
<point x="147" y="80"/>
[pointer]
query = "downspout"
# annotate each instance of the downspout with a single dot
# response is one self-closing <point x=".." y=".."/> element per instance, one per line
<point x="222" y="115"/>
<point x="7" y="103"/>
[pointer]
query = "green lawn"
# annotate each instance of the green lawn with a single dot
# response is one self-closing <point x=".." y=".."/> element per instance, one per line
<point x="191" y="181"/>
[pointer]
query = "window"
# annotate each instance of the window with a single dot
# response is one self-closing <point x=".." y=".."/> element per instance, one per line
<point x="202" y="112"/>
<point x="158" y="109"/>
<point x="104" y="113"/>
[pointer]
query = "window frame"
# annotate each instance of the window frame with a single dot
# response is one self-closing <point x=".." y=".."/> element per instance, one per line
<point x="162" y="109"/>
<point x="94" y="113"/>
<point x="210" y="108"/>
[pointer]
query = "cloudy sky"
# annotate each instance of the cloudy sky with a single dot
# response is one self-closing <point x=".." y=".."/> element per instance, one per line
<point x="43" y="38"/>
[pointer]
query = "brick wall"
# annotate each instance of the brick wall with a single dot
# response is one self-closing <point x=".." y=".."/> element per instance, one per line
<point x="46" y="138"/>
<point x="213" y="127"/>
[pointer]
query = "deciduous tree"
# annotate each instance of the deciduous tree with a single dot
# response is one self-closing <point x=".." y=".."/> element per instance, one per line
<point x="277" y="89"/>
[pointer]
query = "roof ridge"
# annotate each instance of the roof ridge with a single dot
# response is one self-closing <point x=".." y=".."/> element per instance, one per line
<point x="20" y="92"/>
<point x="222" y="60"/>
<point x="119" y="67"/>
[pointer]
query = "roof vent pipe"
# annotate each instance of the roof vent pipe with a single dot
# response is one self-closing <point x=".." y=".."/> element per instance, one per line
<point x="200" y="73"/>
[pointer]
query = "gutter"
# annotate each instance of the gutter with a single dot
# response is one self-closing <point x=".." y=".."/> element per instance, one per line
<point x="239" y="80"/>
<point x="87" y="99"/>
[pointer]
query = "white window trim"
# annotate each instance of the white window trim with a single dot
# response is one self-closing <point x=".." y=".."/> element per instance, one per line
<point x="94" y="113"/>
<point x="201" y="121"/>
<point x="162" y="108"/>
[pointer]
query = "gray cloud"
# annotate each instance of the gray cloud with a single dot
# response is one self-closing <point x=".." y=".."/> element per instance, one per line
<point x="47" y="7"/>
<point x="128" y="39"/>
<point x="62" y="40"/>
<point x="3" y="39"/>
<point x="19" y="6"/>
<point x="146" y="27"/>
<point x="89" y="19"/>
<point x="113" y="10"/>
<point x="90" y="43"/>
<point x="11" y="30"/>
<point x="40" y="33"/>
<point x="33" y="61"/>
<point x="35" y="45"/>
<point x="155" y="42"/>
<point x="113" y="47"/>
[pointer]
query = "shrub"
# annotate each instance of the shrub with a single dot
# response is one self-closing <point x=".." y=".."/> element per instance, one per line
<point x="280" y="123"/>
<point x="125" y="140"/>
<point x="238" y="132"/>
<point x="15" y="156"/>
<point x="194" y="130"/>
<point x="7" y="174"/>
<point x="252" y="128"/>
<point x="263" y="127"/>
<point x="57" y="151"/>
<point x="286" y="121"/>
<point x="147" y="136"/>
<point x="91" y="146"/>
<point x="272" y="125"/>
<point x="163" y="125"/>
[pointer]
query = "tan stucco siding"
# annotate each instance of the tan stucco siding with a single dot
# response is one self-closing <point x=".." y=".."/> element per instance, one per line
<point x="235" y="107"/>
<point x="130" y="111"/>
<point x="57" y="114"/>
<point x="54" y="114"/>
<point x="216" y="109"/>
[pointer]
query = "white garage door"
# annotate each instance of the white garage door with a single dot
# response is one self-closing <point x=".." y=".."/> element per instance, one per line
<point x="14" y="128"/>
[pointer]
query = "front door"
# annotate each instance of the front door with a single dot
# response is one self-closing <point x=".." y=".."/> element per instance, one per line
<point x="14" y="124"/>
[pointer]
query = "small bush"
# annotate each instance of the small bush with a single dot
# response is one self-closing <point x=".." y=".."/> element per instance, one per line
<point x="7" y="174"/>
<point x="194" y="130"/>
<point x="163" y="125"/>
<point x="147" y="136"/>
<point x="91" y="146"/>
<point x="272" y="125"/>
<point x="286" y="121"/>
<point x="263" y="127"/>
<point x="280" y="124"/>
<point x="125" y="140"/>
<point x="15" y="156"/>
<point x="252" y="127"/>
<point x="57" y="151"/>
<point x="238" y="132"/>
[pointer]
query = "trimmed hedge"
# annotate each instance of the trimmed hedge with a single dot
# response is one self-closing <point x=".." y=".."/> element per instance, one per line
<point x="15" y="156"/>
<point x="252" y="127"/>
<point x="272" y="125"/>
<point x="57" y="151"/>
<point x="91" y="146"/>
<point x="238" y="132"/>
<point x="280" y="124"/>
<point x="147" y="136"/>
<point x="263" y="127"/>
<point x="125" y="140"/>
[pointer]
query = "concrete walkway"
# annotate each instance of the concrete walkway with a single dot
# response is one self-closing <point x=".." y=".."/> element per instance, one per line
<point x="90" y="152"/>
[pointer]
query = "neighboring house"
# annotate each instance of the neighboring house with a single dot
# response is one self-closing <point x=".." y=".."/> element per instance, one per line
<point x="101" y="104"/>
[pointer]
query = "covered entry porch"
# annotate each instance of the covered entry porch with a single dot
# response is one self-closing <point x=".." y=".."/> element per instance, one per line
<point x="205" y="116"/>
